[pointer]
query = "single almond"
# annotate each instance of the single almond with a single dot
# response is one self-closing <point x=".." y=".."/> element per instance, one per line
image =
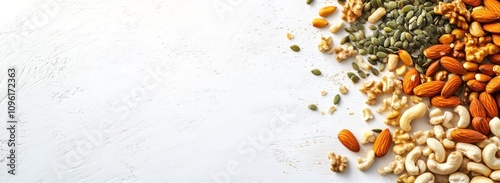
<point x="467" y="136"/>
<point x="476" y="86"/>
<point x="348" y="140"/>
<point x="453" y="65"/>
<point x="484" y="15"/>
<point x="492" y="27"/>
<point x="492" y="5"/>
<point x="496" y="39"/>
<point x="432" y="69"/>
<point x="493" y="85"/>
<point x="468" y="76"/>
<point x="327" y="11"/>
<point x="482" y="77"/>
<point x="429" y="89"/>
<point x="476" y="108"/>
<point x="451" y="86"/>
<point x="382" y="143"/>
<point x="405" y="58"/>
<point x="481" y="125"/>
<point x="437" y="51"/>
<point x="489" y="103"/>
<point x="487" y="69"/>
<point x="495" y="58"/>
<point x="410" y="81"/>
<point x="319" y="22"/>
<point x="446" y="38"/>
<point x="471" y="66"/>
<point x="439" y="101"/>
<point x="472" y="2"/>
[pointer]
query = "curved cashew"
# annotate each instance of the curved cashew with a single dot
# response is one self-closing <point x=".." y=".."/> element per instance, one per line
<point x="489" y="156"/>
<point x="439" y="132"/>
<point x="437" y="148"/>
<point x="458" y="177"/>
<point x="464" y="115"/>
<point x="437" y="117"/>
<point x="448" y="133"/>
<point x="495" y="175"/>
<point x="427" y="151"/>
<point x="481" y="179"/>
<point x="452" y="164"/>
<point x="495" y="126"/>
<point x="411" y="159"/>
<point x="422" y="167"/>
<point x="425" y="178"/>
<point x="410" y="114"/>
<point x="368" y="137"/>
<point x="364" y="164"/>
<point x="448" y="144"/>
<point x="479" y="168"/>
<point x="470" y="151"/>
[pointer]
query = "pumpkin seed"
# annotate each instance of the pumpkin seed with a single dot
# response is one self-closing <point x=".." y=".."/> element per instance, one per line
<point x="407" y="8"/>
<point x="309" y="1"/>
<point x="352" y="37"/>
<point x="316" y="72"/>
<point x="354" y="79"/>
<point x="377" y="130"/>
<point x="355" y="66"/>
<point x="312" y="107"/>
<point x="362" y="51"/>
<point x="350" y="74"/>
<point x="381" y="54"/>
<point x="295" y="48"/>
<point x="362" y="74"/>
<point x="375" y="71"/>
<point x="381" y="68"/>
<point x="336" y="99"/>
<point x="372" y="27"/>
<point x="387" y="29"/>
<point x="344" y="40"/>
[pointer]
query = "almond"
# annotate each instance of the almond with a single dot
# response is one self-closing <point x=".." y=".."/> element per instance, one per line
<point x="468" y="76"/>
<point x="453" y="65"/>
<point x="437" y="51"/>
<point x="319" y="22"/>
<point x="432" y="69"/>
<point x="489" y="103"/>
<point x="482" y="77"/>
<point x="382" y="143"/>
<point x="487" y="69"/>
<point x="484" y="15"/>
<point x="348" y="140"/>
<point x="429" y="89"/>
<point x="446" y="38"/>
<point x="439" y="101"/>
<point x="476" y="109"/>
<point x="496" y="39"/>
<point x="410" y="81"/>
<point x="472" y="2"/>
<point x="492" y="27"/>
<point x="327" y="11"/>
<point x="497" y="99"/>
<point x="451" y="86"/>
<point x="405" y="58"/>
<point x="492" y="5"/>
<point x="467" y="136"/>
<point x="481" y="125"/>
<point x="471" y="66"/>
<point x="476" y="86"/>
<point x="493" y="85"/>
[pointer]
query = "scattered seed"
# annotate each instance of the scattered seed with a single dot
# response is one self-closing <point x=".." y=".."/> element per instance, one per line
<point x="336" y="99"/>
<point x="316" y="72"/>
<point x="354" y="79"/>
<point x="309" y="1"/>
<point x="362" y="51"/>
<point x="381" y="67"/>
<point x="350" y="74"/>
<point x="372" y="27"/>
<point x="313" y="107"/>
<point x="355" y="66"/>
<point x="375" y="71"/>
<point x="381" y="54"/>
<point x="295" y="48"/>
<point x="377" y="130"/>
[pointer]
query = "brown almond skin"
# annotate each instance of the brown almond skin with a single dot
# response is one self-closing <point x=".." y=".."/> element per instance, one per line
<point x="496" y="41"/>
<point x="497" y="99"/>
<point x="492" y="27"/>
<point x="489" y="103"/>
<point x="429" y="89"/>
<point x="467" y="136"/>
<point x="453" y="65"/>
<point x="492" y="5"/>
<point x="484" y="15"/>
<point x="382" y="143"/>
<point x="348" y="140"/>
<point x="481" y="125"/>
<point x="476" y="108"/>
<point x="432" y="69"/>
<point x="493" y="85"/>
<point x="487" y="69"/>
<point x="442" y="102"/>
<point x="437" y="51"/>
<point x="476" y="86"/>
<point x="472" y="2"/>
<point x="410" y="81"/>
<point x="451" y="86"/>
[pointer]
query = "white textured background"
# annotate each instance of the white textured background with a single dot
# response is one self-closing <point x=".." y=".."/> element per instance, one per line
<point x="174" y="91"/>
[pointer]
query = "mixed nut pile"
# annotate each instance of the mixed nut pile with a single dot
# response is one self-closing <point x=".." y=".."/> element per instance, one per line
<point x="443" y="61"/>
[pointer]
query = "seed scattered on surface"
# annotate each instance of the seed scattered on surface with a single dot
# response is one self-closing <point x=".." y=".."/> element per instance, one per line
<point x="336" y="99"/>
<point x="343" y="89"/>
<point x="362" y="74"/>
<point x="313" y="107"/>
<point x="309" y="1"/>
<point x="323" y="93"/>
<point x="375" y="71"/>
<point x="295" y="48"/>
<point x="354" y="79"/>
<point x="377" y="130"/>
<point x="381" y="54"/>
<point x="350" y="74"/>
<point x="316" y="72"/>
<point x="355" y="66"/>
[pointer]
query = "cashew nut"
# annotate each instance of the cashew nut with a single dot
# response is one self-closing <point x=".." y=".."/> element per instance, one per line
<point x="495" y="126"/>
<point x="425" y="178"/>
<point x="479" y="168"/>
<point x="470" y="151"/>
<point x="463" y="166"/>
<point x="368" y="137"/>
<point x="411" y="159"/>
<point x="396" y="167"/>
<point x="489" y="156"/>
<point x="364" y="164"/>
<point x="437" y="117"/>
<point x="448" y="133"/>
<point x="448" y="144"/>
<point x="452" y="164"/>
<point x="458" y="177"/>
<point x="437" y="148"/>
<point x="427" y="151"/>
<point x="439" y="132"/>
<point x="464" y="115"/>
<point x="495" y="175"/>
<point x="481" y="179"/>
<point x="422" y="136"/>
<point x="410" y="114"/>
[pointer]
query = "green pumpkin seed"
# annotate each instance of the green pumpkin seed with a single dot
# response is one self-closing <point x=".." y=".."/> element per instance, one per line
<point x="336" y="99"/>
<point x="377" y="130"/>
<point x="375" y="71"/>
<point x="352" y="37"/>
<point x="372" y="27"/>
<point x="392" y="5"/>
<point x="381" y="68"/>
<point x="398" y="44"/>
<point x="374" y="41"/>
<point x="387" y="29"/>
<point x="349" y="29"/>
<point x="354" y="79"/>
<point x="312" y="107"/>
<point x="381" y="54"/>
<point x="309" y="1"/>
<point x="350" y="74"/>
<point x="405" y="44"/>
<point x="295" y="48"/>
<point x="355" y="66"/>
<point x="362" y="51"/>
<point x="344" y="40"/>
<point x="316" y="72"/>
<point x="407" y="8"/>
<point x="362" y="74"/>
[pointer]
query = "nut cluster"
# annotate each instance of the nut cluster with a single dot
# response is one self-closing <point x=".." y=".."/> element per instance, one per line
<point x="455" y="11"/>
<point x="352" y="10"/>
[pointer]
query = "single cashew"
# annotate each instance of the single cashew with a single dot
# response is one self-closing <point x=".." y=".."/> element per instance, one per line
<point x="495" y="175"/>
<point x="463" y="166"/>
<point x="368" y="137"/>
<point x="410" y="114"/>
<point x="469" y="150"/>
<point x="411" y="159"/>
<point x="437" y="148"/>
<point x="425" y="178"/>
<point x="481" y="179"/>
<point x="464" y="115"/>
<point x="422" y="136"/>
<point x="479" y="168"/>
<point x="364" y="164"/>
<point x="448" y="144"/>
<point x="495" y="126"/>
<point x="489" y="156"/>
<point x="437" y="117"/>
<point x="458" y="177"/>
<point x="396" y="167"/>
<point x="452" y="164"/>
<point x="439" y="132"/>
<point x="422" y="167"/>
<point x="427" y="151"/>
<point x="448" y="133"/>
